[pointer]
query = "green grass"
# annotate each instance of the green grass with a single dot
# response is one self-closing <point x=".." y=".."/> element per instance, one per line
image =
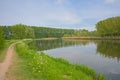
<point x="4" y="49"/>
<point x="34" y="66"/>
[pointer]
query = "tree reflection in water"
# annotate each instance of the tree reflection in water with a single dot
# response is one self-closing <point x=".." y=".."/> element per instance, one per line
<point x="106" y="48"/>
<point x="110" y="49"/>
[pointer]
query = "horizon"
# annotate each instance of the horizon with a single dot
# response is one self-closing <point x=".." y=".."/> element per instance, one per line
<point x="65" y="14"/>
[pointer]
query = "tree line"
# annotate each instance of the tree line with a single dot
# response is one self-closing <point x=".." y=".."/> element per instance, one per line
<point x="81" y="33"/>
<point x="105" y="28"/>
<point x="44" y="32"/>
<point x="20" y="31"/>
<point x="109" y="27"/>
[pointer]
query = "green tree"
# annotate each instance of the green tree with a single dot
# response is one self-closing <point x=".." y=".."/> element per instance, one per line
<point x="6" y="32"/>
<point x="43" y="32"/>
<point x="109" y="27"/>
<point x="21" y="31"/>
<point x="1" y="38"/>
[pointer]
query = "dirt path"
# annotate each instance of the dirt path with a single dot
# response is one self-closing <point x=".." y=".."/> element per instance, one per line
<point x="6" y="63"/>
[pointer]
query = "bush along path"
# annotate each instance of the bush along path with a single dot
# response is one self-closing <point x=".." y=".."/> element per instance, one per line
<point x="7" y="62"/>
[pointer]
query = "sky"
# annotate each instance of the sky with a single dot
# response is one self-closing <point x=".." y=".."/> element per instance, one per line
<point x="72" y="14"/>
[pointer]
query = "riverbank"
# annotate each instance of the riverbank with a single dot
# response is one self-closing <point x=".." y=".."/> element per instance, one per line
<point x="29" y="65"/>
<point x="93" y="38"/>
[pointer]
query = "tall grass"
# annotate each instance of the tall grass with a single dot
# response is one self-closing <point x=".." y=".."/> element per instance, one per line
<point x="37" y="66"/>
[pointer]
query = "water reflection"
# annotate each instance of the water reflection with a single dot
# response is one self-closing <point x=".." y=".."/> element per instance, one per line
<point x="110" y="49"/>
<point x="52" y="44"/>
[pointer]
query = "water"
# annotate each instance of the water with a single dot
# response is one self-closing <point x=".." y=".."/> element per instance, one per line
<point x="103" y="56"/>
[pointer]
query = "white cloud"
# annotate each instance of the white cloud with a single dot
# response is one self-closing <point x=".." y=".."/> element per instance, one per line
<point x="60" y="1"/>
<point x="61" y="13"/>
<point x="99" y="12"/>
<point x="111" y="1"/>
<point x="65" y="18"/>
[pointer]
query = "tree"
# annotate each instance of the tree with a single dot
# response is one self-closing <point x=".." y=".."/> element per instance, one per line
<point x="1" y="38"/>
<point x="6" y="32"/>
<point x="21" y="31"/>
<point x="109" y="27"/>
<point x="43" y="32"/>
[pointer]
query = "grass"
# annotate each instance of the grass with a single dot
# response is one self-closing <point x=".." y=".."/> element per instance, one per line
<point x="30" y="65"/>
<point x="4" y="49"/>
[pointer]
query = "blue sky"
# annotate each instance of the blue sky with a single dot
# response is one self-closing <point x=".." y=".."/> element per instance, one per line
<point x="75" y="14"/>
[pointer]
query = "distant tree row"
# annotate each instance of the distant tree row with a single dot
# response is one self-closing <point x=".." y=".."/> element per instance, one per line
<point x="105" y="28"/>
<point x="84" y="33"/>
<point x="43" y="32"/>
<point x="109" y="27"/>
<point x="18" y="31"/>
<point x="81" y="33"/>
<point x="1" y="38"/>
<point x="21" y="31"/>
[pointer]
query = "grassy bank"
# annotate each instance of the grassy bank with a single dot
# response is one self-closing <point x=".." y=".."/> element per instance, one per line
<point x="4" y="49"/>
<point x="30" y="65"/>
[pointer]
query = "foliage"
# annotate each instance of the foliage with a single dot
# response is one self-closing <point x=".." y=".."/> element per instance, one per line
<point x="85" y="33"/>
<point x="82" y="33"/>
<point x="7" y="32"/>
<point x="18" y="31"/>
<point x="105" y="28"/>
<point x="44" y="32"/>
<point x="1" y="39"/>
<point x="109" y="27"/>
<point x="21" y="31"/>
<point x="38" y="66"/>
